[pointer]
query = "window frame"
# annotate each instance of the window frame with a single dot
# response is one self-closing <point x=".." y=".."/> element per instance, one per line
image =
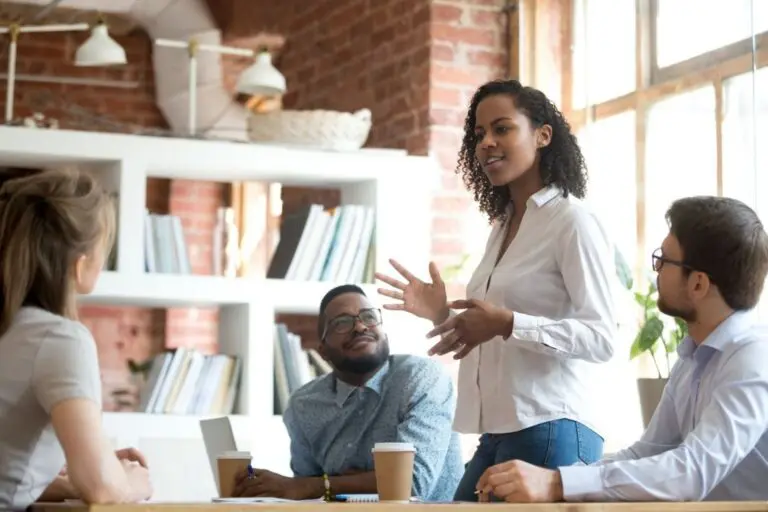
<point x="654" y="84"/>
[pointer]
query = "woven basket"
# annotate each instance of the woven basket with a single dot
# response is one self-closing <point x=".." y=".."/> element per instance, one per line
<point x="322" y="129"/>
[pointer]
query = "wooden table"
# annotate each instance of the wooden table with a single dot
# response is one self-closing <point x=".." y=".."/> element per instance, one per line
<point x="733" y="506"/>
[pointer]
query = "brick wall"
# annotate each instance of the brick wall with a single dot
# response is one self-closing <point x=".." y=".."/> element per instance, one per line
<point x="466" y="49"/>
<point x="413" y="63"/>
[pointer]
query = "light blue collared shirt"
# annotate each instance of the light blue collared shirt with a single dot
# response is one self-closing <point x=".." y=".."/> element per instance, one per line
<point x="333" y="426"/>
<point x="707" y="439"/>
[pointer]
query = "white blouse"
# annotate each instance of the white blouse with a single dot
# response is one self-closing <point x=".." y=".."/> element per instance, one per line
<point x="558" y="277"/>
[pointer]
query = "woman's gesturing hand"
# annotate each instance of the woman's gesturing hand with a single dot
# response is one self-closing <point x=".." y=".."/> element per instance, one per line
<point x="425" y="300"/>
<point x="479" y="322"/>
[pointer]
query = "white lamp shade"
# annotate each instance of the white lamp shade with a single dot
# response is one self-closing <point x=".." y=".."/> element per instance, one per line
<point x="100" y="49"/>
<point x="262" y="78"/>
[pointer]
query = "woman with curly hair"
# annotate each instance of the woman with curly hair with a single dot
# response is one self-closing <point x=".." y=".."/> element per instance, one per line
<point x="539" y="311"/>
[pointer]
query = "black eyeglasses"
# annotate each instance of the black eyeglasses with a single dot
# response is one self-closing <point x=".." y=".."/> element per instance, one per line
<point x="658" y="260"/>
<point x="344" y="324"/>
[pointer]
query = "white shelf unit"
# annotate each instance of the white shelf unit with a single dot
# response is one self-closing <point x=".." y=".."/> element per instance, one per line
<point x="400" y="188"/>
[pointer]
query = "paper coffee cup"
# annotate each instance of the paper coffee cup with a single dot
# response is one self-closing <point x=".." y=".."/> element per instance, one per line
<point x="229" y="464"/>
<point x="393" y="465"/>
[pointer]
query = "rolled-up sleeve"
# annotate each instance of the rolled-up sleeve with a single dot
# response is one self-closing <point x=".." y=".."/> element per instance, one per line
<point x="586" y="261"/>
<point x="427" y="423"/>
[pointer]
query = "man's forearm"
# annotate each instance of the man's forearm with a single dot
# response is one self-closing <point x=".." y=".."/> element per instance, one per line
<point x="59" y="490"/>
<point x="360" y="483"/>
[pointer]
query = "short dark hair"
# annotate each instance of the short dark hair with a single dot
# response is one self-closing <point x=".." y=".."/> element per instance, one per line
<point x="561" y="162"/>
<point x="725" y="239"/>
<point x="332" y="294"/>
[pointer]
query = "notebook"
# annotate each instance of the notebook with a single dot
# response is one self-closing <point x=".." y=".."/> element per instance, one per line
<point x="260" y="500"/>
<point x="366" y="498"/>
<point x="358" y="498"/>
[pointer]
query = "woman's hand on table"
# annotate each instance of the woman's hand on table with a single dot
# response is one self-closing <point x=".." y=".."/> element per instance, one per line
<point x="132" y="455"/>
<point x="479" y="322"/>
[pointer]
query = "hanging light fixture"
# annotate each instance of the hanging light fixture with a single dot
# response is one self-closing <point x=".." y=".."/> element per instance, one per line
<point x="100" y="49"/>
<point x="262" y="77"/>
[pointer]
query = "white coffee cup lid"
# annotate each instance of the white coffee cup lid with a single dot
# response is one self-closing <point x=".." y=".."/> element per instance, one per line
<point x="234" y="455"/>
<point x="394" y="447"/>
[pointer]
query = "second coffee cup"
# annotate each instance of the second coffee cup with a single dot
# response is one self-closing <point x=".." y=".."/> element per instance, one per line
<point x="229" y="465"/>
<point x="393" y="464"/>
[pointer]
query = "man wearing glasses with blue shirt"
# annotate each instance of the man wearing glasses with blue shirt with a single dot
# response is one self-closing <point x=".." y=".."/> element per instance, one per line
<point x="370" y="397"/>
<point x="708" y="439"/>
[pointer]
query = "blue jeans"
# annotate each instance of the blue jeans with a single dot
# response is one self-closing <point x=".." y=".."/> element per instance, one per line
<point x="550" y="445"/>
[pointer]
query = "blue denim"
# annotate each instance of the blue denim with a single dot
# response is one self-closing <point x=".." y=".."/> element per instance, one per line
<point x="550" y="445"/>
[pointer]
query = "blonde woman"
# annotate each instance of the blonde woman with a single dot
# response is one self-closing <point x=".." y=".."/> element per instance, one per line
<point x="55" y="231"/>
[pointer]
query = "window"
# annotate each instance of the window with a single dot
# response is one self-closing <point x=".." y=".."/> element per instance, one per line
<point x="716" y="24"/>
<point x="680" y="158"/>
<point x="669" y="99"/>
<point x="745" y="127"/>
<point x="609" y="149"/>
<point x="604" y="31"/>
<point x="685" y="125"/>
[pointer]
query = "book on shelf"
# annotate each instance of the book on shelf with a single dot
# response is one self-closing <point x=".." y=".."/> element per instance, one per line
<point x="165" y="247"/>
<point x="294" y="366"/>
<point x="326" y="245"/>
<point x="185" y="381"/>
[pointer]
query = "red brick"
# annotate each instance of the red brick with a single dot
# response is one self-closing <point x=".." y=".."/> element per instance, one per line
<point x="447" y="225"/>
<point x="450" y="204"/>
<point x="443" y="52"/>
<point x="448" y="246"/>
<point x="446" y="97"/>
<point x="448" y="159"/>
<point x="486" y="59"/>
<point x="451" y="14"/>
<point x="447" y="117"/>
<point x="455" y="75"/>
<point x="467" y="35"/>
<point x="486" y="18"/>
<point x="451" y="182"/>
<point x="445" y="138"/>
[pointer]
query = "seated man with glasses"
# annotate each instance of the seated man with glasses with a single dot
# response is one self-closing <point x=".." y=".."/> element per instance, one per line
<point x="370" y="397"/>
<point x="708" y="439"/>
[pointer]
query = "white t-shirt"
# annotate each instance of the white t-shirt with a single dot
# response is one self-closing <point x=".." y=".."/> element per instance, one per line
<point x="44" y="359"/>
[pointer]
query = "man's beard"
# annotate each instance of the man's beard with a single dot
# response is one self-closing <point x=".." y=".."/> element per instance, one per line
<point x="363" y="364"/>
<point x="687" y="314"/>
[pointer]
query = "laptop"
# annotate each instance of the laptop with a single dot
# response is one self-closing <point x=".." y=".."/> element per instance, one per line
<point x="218" y="437"/>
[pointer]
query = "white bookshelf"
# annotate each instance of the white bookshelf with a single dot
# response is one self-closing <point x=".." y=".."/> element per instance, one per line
<point x="399" y="187"/>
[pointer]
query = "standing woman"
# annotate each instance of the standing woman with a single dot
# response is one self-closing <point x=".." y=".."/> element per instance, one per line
<point x="55" y="231"/>
<point x="539" y="311"/>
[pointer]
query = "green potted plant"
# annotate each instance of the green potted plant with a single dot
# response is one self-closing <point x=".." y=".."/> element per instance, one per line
<point x="655" y="337"/>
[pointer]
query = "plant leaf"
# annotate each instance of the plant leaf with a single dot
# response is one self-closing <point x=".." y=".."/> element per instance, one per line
<point x="646" y="339"/>
<point x="623" y="271"/>
<point x="140" y="367"/>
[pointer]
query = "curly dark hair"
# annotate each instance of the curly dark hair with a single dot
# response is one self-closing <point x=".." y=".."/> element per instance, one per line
<point x="561" y="162"/>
